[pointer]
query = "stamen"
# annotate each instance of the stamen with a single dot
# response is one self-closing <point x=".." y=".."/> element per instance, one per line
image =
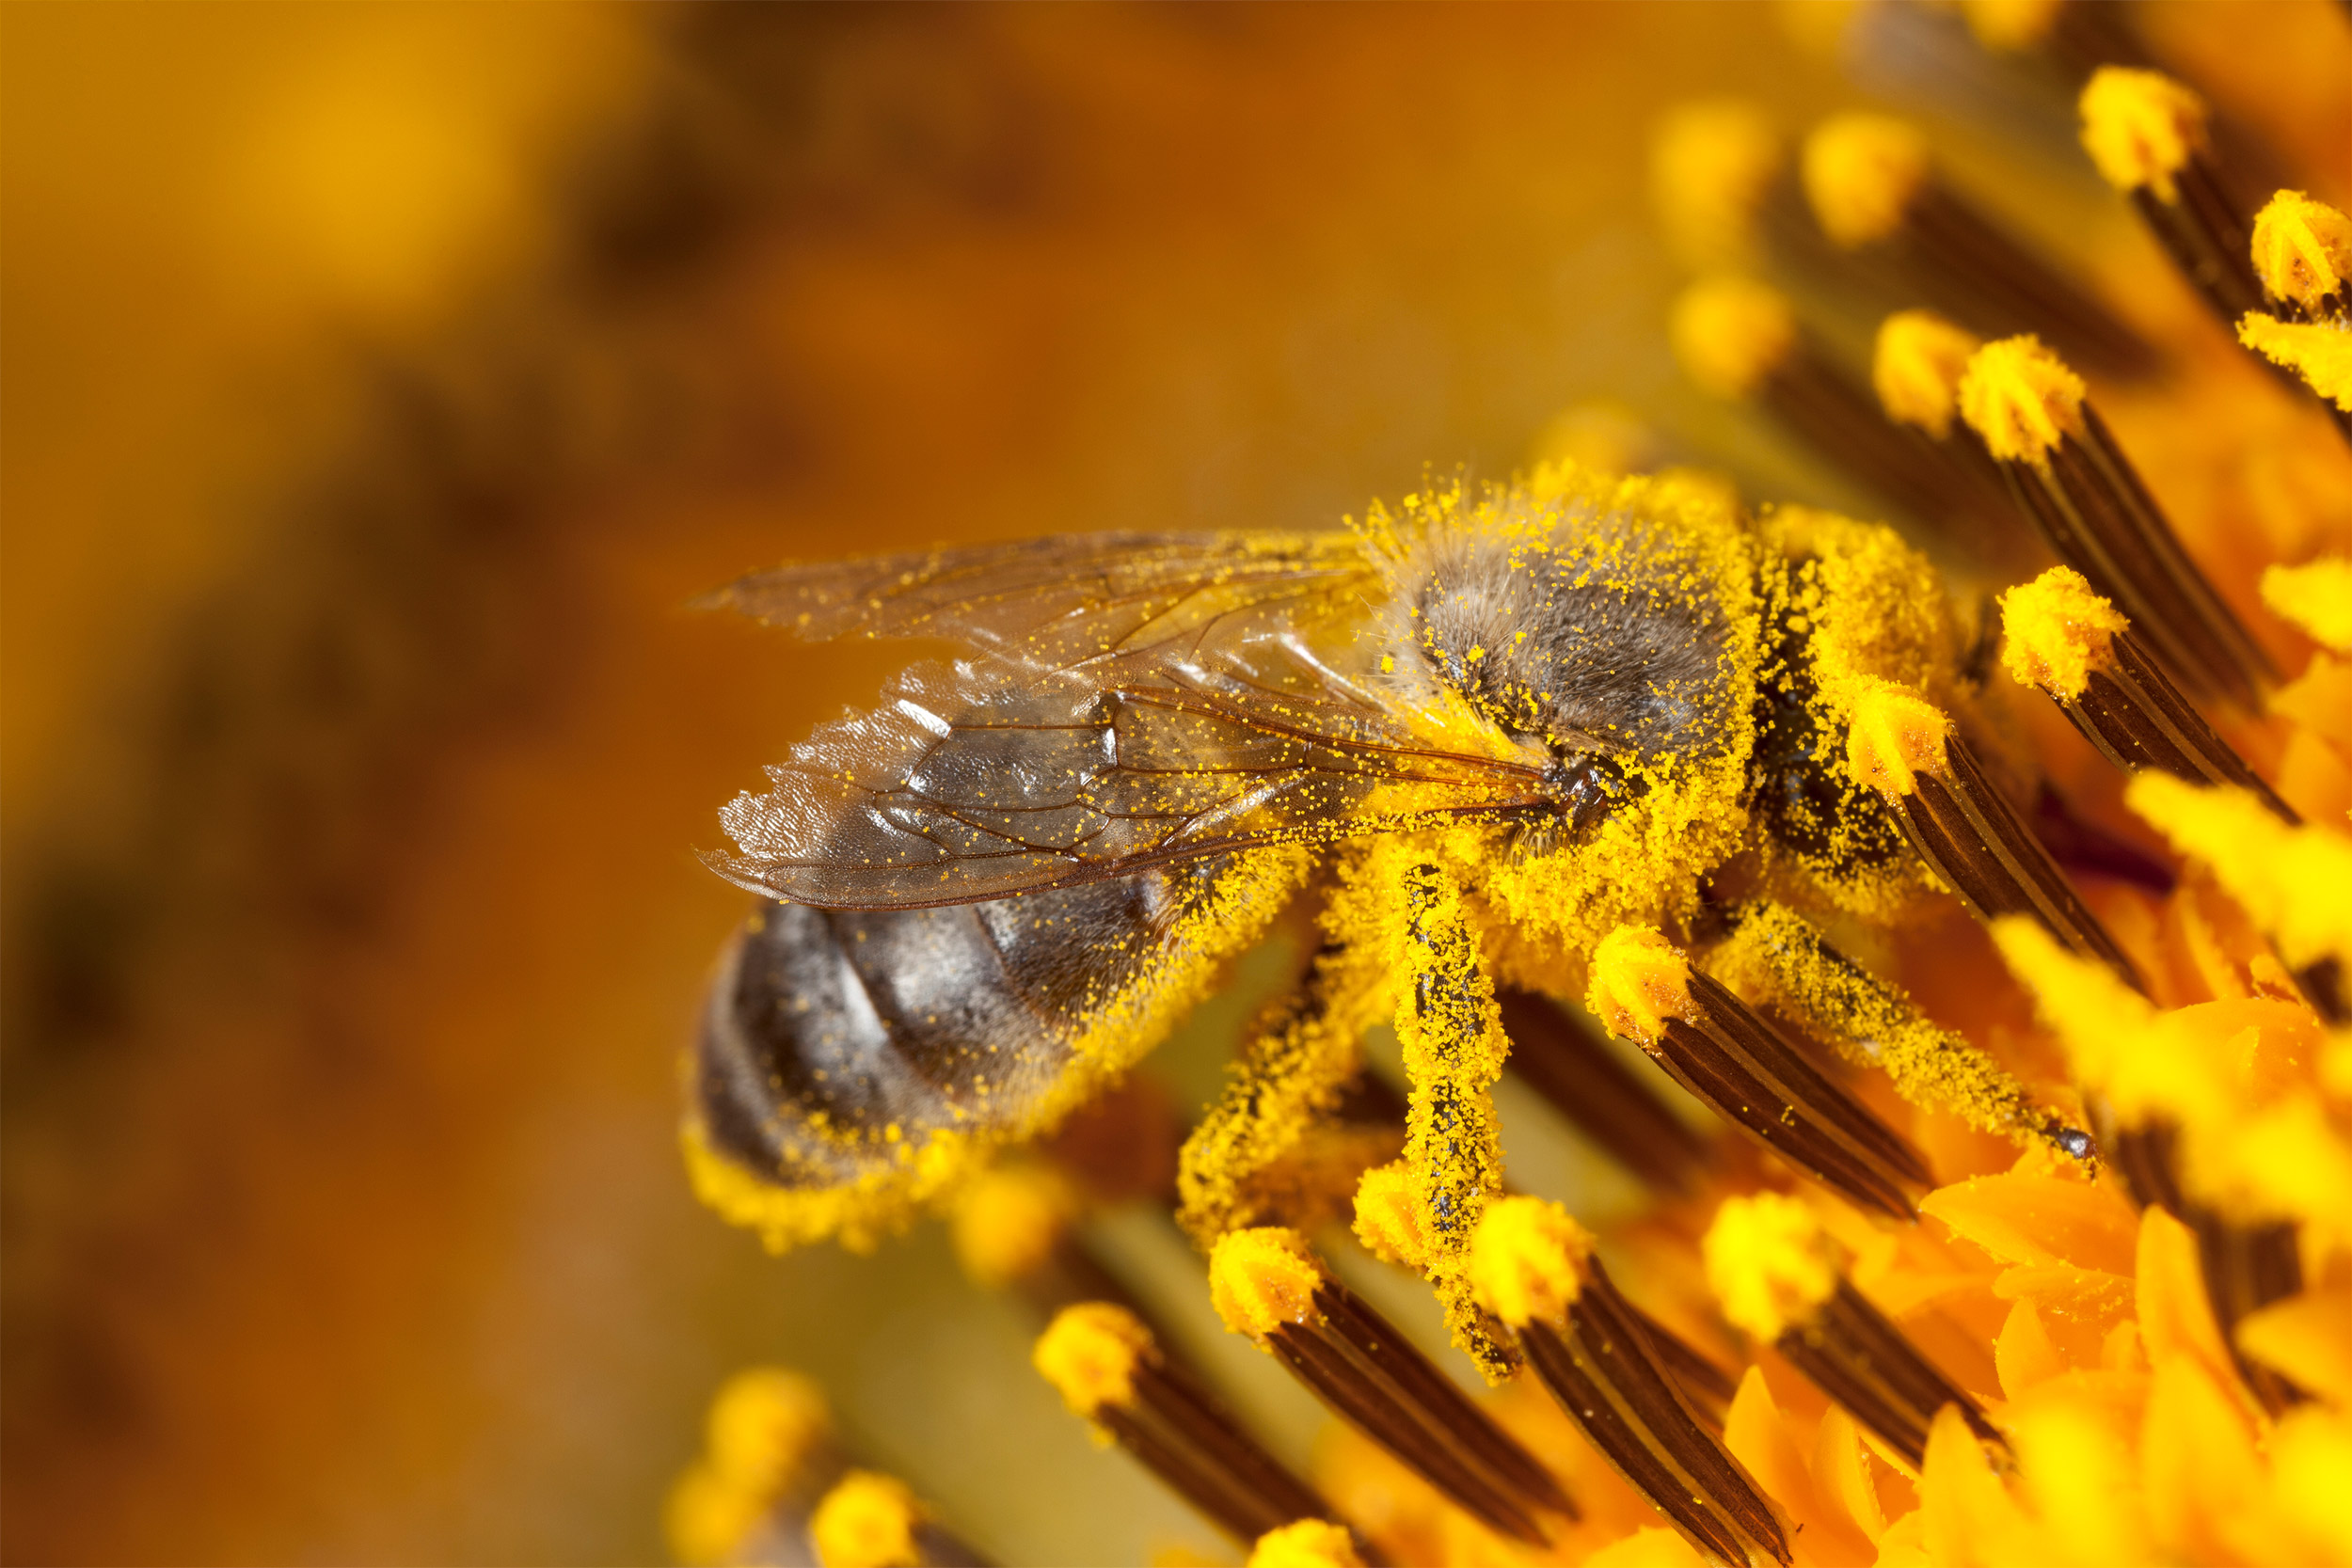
<point x="1718" y="174"/>
<point x="2076" y="486"/>
<point x="1108" y="1370"/>
<point x="1778" y="1277"/>
<point x="1875" y="192"/>
<point x="1645" y="989"/>
<point x="1535" y="1268"/>
<point x="2080" y="652"/>
<point x="1738" y="339"/>
<point x="1306" y="1543"/>
<point x="1776" y="953"/>
<point x="2148" y="137"/>
<point x="1903" y="747"/>
<point x="1915" y="367"/>
<point x="869" y="1520"/>
<point x="768" y="1452"/>
<point x="2302" y="255"/>
<point x="1576" y="1073"/>
<point x="1269" y="1286"/>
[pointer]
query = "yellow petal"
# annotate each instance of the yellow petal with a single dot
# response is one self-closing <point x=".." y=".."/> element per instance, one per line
<point x="1967" y="1518"/>
<point x="2024" y="1354"/>
<point x="2203" y="1485"/>
<point x="2175" y="1315"/>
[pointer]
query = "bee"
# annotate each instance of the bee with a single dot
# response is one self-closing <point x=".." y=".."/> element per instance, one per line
<point x="1470" y="736"/>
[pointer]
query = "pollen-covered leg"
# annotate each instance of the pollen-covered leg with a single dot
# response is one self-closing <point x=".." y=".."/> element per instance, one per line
<point x="1302" y="1053"/>
<point x="1775" y="953"/>
<point x="1451" y="1032"/>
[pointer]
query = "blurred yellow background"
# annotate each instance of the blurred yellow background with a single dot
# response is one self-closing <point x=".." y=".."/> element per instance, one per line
<point x="377" y="382"/>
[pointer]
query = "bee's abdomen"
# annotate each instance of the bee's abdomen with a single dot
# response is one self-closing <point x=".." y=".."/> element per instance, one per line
<point x="834" y="1037"/>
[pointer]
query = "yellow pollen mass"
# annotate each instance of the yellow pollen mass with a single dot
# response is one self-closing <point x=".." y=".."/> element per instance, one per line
<point x="2140" y="128"/>
<point x="2316" y="597"/>
<point x="1526" y="1260"/>
<point x="1710" y="166"/>
<point x="1007" y="1222"/>
<point x="2296" y="883"/>
<point x="1861" y="172"/>
<point x="1261" y="1279"/>
<point x="1730" y="333"/>
<point x="1640" y="981"/>
<point x="2056" y="631"/>
<point x="1894" y="734"/>
<point x="2303" y="249"/>
<point x="1770" y="1263"/>
<point x="1387" y="1218"/>
<point x="1089" y="1352"/>
<point x="1304" y="1544"/>
<point x="763" y="1423"/>
<point x="2319" y="351"/>
<point x="1916" y="367"/>
<point x="867" y="1521"/>
<point x="2021" y="399"/>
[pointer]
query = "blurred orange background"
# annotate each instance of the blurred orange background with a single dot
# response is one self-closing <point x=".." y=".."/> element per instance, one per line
<point x="378" y="383"/>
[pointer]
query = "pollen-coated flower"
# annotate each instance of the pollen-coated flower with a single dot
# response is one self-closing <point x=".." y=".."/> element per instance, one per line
<point x="2004" y="1211"/>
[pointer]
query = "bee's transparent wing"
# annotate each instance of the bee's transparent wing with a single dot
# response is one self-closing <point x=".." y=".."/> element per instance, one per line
<point x="1055" y="602"/>
<point x="986" y="780"/>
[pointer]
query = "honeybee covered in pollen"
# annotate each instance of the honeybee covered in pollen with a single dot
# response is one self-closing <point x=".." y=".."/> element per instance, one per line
<point x="1481" y="736"/>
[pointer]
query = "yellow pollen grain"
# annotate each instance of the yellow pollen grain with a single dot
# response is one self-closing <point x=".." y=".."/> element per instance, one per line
<point x="1089" y="1354"/>
<point x="2316" y="597"/>
<point x="1387" y="1218"/>
<point x="1895" y="735"/>
<point x="2319" y="351"/>
<point x="867" y="1521"/>
<point x="1304" y="1544"/>
<point x="1770" y="1264"/>
<point x="2021" y="399"/>
<point x="1916" y="367"/>
<point x="1640" y="982"/>
<point x="1263" y="1278"/>
<point x="763" y="1423"/>
<point x="1007" y="1222"/>
<point x="2303" y="249"/>
<point x="2056" y="631"/>
<point x="2010" y="27"/>
<point x="1711" y="164"/>
<point x="2296" y="883"/>
<point x="1861" y="172"/>
<point x="1730" y="333"/>
<point x="2140" y="128"/>
<point x="1527" y="1259"/>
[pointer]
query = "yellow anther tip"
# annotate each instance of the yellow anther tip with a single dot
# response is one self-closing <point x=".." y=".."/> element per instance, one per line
<point x="1710" y="166"/>
<point x="1304" y="1544"/>
<point x="1861" y="172"/>
<point x="1917" y="365"/>
<point x="705" y="1517"/>
<point x="1770" y="1264"/>
<point x="1007" y="1222"/>
<point x="2303" y="249"/>
<point x="1090" y="1352"/>
<point x="867" y="1521"/>
<point x="1387" y="1218"/>
<point x="1261" y="1279"/>
<point x="2021" y="397"/>
<point x="2140" y="127"/>
<point x="2316" y="597"/>
<point x="1894" y="734"/>
<point x="2009" y="25"/>
<point x="1526" y="1260"/>
<point x="763" y="1423"/>
<point x="1640" y="980"/>
<point x="1730" y="333"/>
<point x="2056" y="631"/>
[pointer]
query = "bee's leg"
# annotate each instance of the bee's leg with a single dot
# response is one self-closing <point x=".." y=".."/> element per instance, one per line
<point x="1451" y="1032"/>
<point x="1237" y="1167"/>
<point x="1775" y="955"/>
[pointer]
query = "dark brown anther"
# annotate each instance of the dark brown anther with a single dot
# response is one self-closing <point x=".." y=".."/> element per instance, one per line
<point x="1533" y="1268"/>
<point x="1715" y="1046"/>
<point x="1109" y="1370"/>
<point x="1903" y="747"/>
<point x="1269" y="1286"/>
<point x="1555" y="1055"/>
